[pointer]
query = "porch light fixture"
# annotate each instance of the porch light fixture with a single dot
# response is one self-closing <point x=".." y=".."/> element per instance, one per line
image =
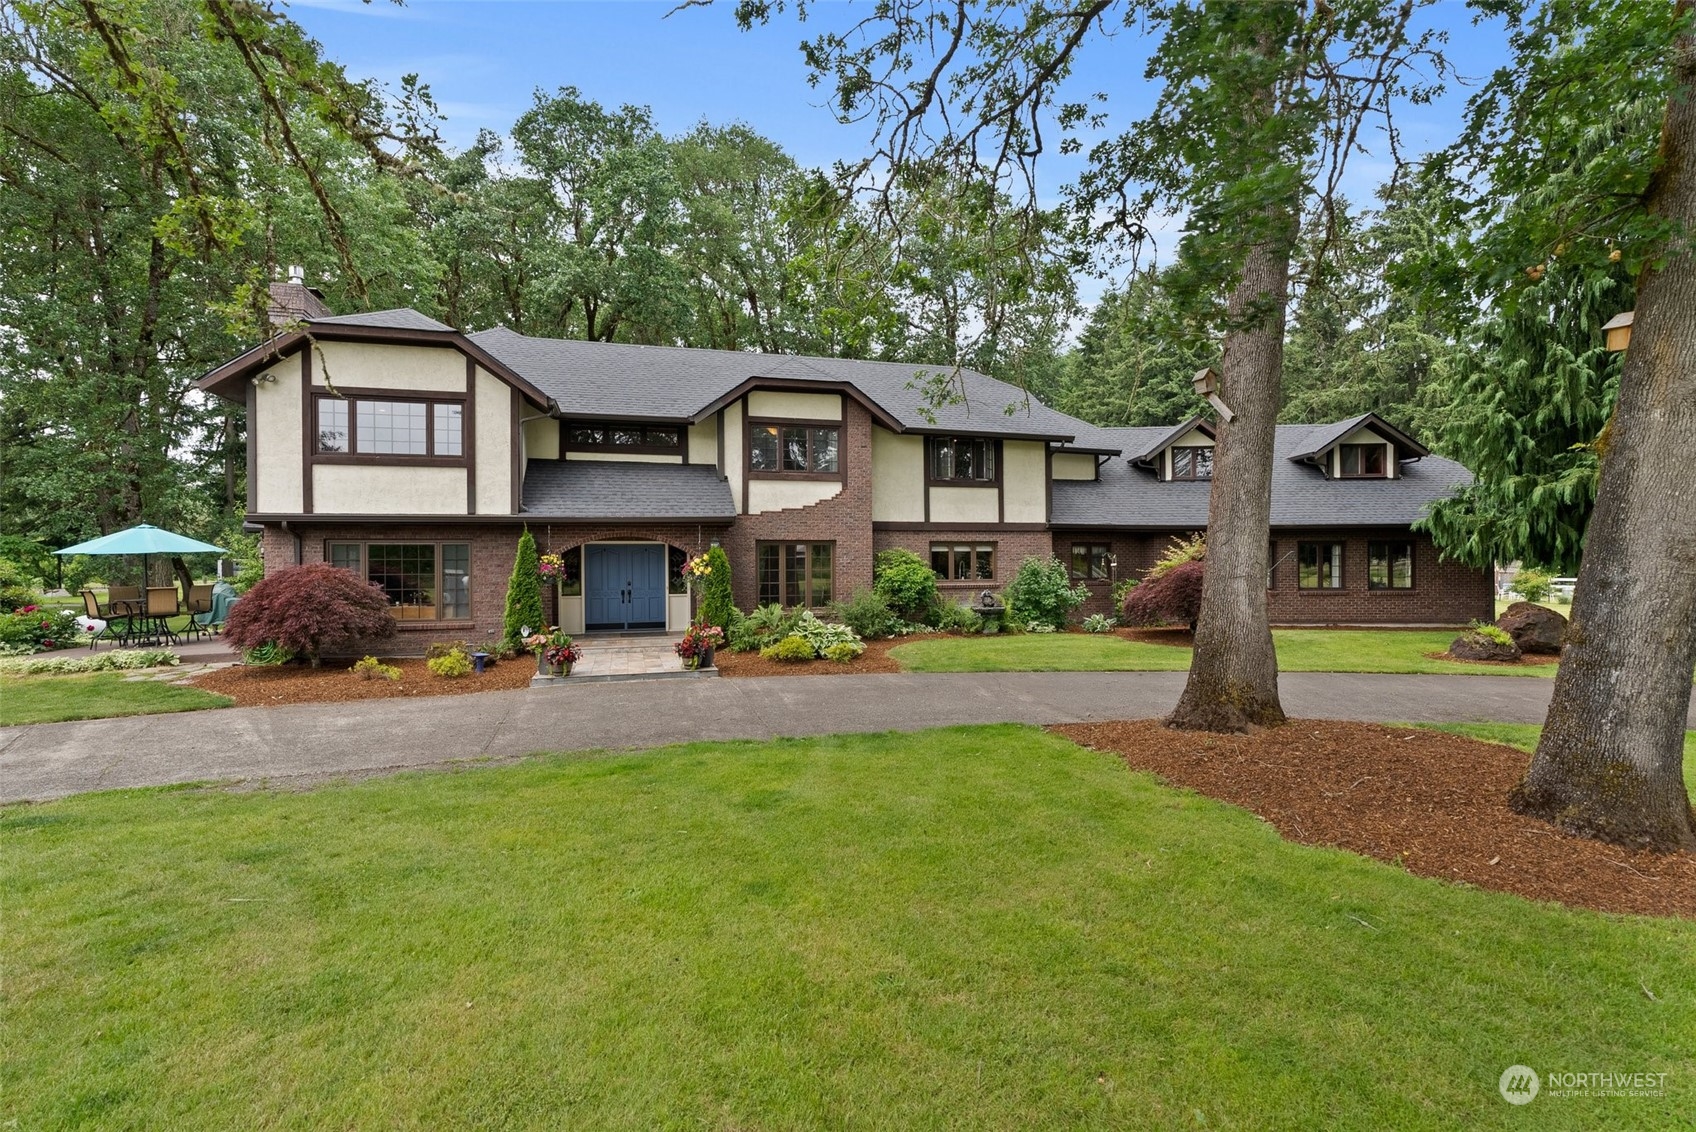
<point x="1206" y="382"/>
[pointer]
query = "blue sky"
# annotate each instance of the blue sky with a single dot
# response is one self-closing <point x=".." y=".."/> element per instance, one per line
<point x="484" y="58"/>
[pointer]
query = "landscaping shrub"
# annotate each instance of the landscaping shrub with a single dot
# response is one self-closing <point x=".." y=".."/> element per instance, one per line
<point x="1098" y="623"/>
<point x="115" y="660"/>
<point x="1177" y="552"/>
<point x="370" y="668"/>
<point x="310" y="611"/>
<point x="442" y="648"/>
<point x="791" y="650"/>
<point x="1041" y="593"/>
<point x="1533" y="585"/>
<point x="907" y="585"/>
<point x="822" y="634"/>
<point x="453" y="665"/>
<point x="868" y="614"/>
<point x="523" y="594"/>
<point x="266" y="654"/>
<point x="1492" y="633"/>
<point x="32" y="629"/>
<point x="755" y="630"/>
<point x="717" y="604"/>
<point x="844" y="651"/>
<point x="954" y="618"/>
<point x="1122" y="590"/>
<point x="1173" y="597"/>
<point x="15" y="591"/>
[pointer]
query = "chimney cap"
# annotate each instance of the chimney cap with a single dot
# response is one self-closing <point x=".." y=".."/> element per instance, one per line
<point x="297" y="274"/>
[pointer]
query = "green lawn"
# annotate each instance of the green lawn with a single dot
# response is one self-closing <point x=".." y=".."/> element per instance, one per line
<point x="1524" y="736"/>
<point x="53" y="699"/>
<point x="968" y="928"/>
<point x="1299" y="650"/>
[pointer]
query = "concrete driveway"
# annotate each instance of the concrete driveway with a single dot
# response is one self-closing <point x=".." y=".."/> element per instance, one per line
<point x="318" y="740"/>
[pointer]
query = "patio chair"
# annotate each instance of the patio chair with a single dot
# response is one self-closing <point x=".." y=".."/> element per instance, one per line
<point x="124" y="611"/>
<point x="200" y="611"/>
<point x="91" y="607"/>
<point x="162" y="605"/>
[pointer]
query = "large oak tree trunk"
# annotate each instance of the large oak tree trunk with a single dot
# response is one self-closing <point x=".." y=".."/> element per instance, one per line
<point x="1609" y="761"/>
<point x="1233" y="682"/>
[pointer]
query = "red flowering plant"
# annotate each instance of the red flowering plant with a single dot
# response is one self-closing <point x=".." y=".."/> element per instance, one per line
<point x="697" y="642"/>
<point x="34" y="629"/>
<point x="561" y="651"/>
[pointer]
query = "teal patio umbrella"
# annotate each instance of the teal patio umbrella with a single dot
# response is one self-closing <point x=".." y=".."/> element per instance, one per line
<point x="144" y="539"/>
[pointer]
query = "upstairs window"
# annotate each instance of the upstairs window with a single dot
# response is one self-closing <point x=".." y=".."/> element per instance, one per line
<point x="793" y="449"/>
<point x="956" y="459"/>
<point x="610" y="436"/>
<point x="1363" y="461"/>
<point x="1192" y="463"/>
<point x="359" y="426"/>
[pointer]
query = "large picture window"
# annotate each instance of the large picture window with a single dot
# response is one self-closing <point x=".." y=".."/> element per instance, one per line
<point x="1192" y="463"/>
<point x="794" y="449"/>
<point x="611" y="436"/>
<point x="1319" y="565"/>
<point x="963" y="562"/>
<point x="1091" y="561"/>
<point x="359" y="426"/>
<point x="795" y="573"/>
<point x="1363" y="461"/>
<point x="1389" y="565"/>
<point x="962" y="459"/>
<point x="424" y="581"/>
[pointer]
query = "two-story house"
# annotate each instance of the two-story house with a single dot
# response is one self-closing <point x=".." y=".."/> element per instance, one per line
<point x="413" y="454"/>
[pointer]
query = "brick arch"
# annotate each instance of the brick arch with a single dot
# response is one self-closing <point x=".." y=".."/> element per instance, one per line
<point x="690" y="538"/>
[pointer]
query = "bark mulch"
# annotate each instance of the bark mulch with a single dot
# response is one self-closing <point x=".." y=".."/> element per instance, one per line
<point x="1530" y="659"/>
<point x="1434" y="803"/>
<point x="876" y="658"/>
<point x="335" y="683"/>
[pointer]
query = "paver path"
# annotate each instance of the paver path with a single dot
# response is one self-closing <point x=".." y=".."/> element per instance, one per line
<point x="315" y="740"/>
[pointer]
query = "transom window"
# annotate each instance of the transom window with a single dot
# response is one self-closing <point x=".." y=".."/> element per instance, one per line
<point x="1192" y="463"/>
<point x="1091" y="561"/>
<point x="1319" y="565"/>
<point x="960" y="562"/>
<point x="424" y="581"/>
<point x="962" y="458"/>
<point x="795" y="573"/>
<point x="794" y="449"/>
<point x="358" y="426"/>
<point x="611" y="436"/>
<point x="1389" y="565"/>
<point x="1363" y="461"/>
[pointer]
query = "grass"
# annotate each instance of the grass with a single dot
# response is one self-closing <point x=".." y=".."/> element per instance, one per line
<point x="1524" y="736"/>
<point x="54" y="699"/>
<point x="972" y="928"/>
<point x="1562" y="608"/>
<point x="1299" y="650"/>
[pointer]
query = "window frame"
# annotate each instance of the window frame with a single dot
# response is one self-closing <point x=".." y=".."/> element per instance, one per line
<point x="992" y="448"/>
<point x="1373" y="546"/>
<point x="783" y="595"/>
<point x="428" y="458"/>
<point x="1342" y="461"/>
<point x="1090" y="548"/>
<point x="438" y="577"/>
<point x="646" y="448"/>
<point x="840" y="475"/>
<point x="1192" y="477"/>
<point x="953" y="548"/>
<point x="1339" y="569"/>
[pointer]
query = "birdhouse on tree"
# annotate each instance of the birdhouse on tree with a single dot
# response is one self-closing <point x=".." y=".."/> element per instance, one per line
<point x="1618" y="331"/>
<point x="1206" y="382"/>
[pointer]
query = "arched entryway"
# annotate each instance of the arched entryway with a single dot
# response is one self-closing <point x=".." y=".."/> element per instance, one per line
<point x="622" y="585"/>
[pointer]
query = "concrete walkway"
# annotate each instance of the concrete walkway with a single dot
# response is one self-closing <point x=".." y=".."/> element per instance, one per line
<point x="312" y="741"/>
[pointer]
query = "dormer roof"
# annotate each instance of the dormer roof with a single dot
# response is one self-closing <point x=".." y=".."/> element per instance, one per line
<point x="1320" y="439"/>
<point x="1149" y="453"/>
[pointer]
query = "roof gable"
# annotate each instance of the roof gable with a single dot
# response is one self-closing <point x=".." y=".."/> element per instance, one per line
<point x="1320" y="439"/>
<point x="1150" y="453"/>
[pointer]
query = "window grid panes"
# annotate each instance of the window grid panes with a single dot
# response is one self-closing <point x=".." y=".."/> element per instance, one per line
<point x="392" y="427"/>
<point x="958" y="458"/>
<point x="450" y="432"/>
<point x="794" y="448"/>
<point x="795" y="573"/>
<point x="963" y="562"/>
<point x="1389" y="566"/>
<point x="1192" y="463"/>
<point x="1319" y="565"/>
<point x="409" y="577"/>
<point x="353" y="426"/>
<point x="624" y="435"/>
<point x="770" y="581"/>
<point x="332" y="425"/>
<point x="456" y="581"/>
<point x="1090" y="561"/>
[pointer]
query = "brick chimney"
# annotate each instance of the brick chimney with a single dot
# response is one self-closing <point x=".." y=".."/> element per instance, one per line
<point x="294" y="301"/>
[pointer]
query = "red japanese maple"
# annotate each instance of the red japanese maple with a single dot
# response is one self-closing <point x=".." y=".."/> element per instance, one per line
<point x="310" y="610"/>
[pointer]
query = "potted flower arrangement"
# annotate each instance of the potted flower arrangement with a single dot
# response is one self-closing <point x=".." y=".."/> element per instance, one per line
<point x="696" y="647"/>
<point x="551" y="565"/>
<point x="538" y="644"/>
<point x="561" y="653"/>
<point x="695" y="570"/>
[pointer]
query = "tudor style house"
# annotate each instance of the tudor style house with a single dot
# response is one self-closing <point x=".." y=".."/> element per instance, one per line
<point x="413" y="454"/>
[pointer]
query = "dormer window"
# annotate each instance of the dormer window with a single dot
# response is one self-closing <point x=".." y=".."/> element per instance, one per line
<point x="961" y="459"/>
<point x="1362" y="461"/>
<point x="1192" y="463"/>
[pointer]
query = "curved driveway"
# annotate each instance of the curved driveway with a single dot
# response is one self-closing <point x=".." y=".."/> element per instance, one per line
<point x="308" y="741"/>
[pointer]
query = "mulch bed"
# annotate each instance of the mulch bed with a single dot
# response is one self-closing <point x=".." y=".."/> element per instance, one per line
<point x="1530" y="659"/>
<point x="1432" y="802"/>
<point x="1176" y="637"/>
<point x="335" y="683"/>
<point x="876" y="658"/>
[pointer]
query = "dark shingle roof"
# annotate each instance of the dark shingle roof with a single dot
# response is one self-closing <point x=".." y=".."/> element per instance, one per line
<point x="401" y="318"/>
<point x="601" y="379"/>
<point x="1128" y="496"/>
<point x="604" y="489"/>
<point x="1321" y="437"/>
<point x="1162" y="437"/>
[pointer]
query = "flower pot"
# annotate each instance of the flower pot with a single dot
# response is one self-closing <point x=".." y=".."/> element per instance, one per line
<point x="541" y="663"/>
<point x="707" y="657"/>
<point x="562" y="670"/>
<point x="692" y="662"/>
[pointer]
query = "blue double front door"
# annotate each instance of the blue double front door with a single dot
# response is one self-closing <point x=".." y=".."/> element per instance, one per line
<point x="624" y="586"/>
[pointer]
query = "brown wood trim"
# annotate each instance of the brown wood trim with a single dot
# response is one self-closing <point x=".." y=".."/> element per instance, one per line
<point x="447" y="519"/>
<point x="468" y="442"/>
<point x="372" y="393"/>
<point x="999" y="474"/>
<point x="390" y="459"/>
<point x="817" y="477"/>
<point x="782" y="574"/>
<point x="798" y="385"/>
<point x="989" y="529"/>
<point x="252" y="446"/>
<point x="517" y="446"/>
<point x="309" y="431"/>
<point x="681" y="448"/>
<point x="719" y="417"/>
<point x="1048" y="485"/>
<point x="1001" y="498"/>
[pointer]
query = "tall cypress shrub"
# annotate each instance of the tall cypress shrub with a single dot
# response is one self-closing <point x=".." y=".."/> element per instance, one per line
<point x="523" y="594"/>
<point x="716" y="602"/>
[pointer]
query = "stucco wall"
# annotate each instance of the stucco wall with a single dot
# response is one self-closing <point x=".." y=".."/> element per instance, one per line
<point x="541" y="439"/>
<point x="796" y="406"/>
<point x="898" y="477"/>
<point x="1024" y="481"/>
<point x="703" y="442"/>
<point x="438" y="369"/>
<point x="278" y="434"/>
<point x="494" y="444"/>
<point x="781" y="495"/>
<point x="734" y="456"/>
<point x="965" y="505"/>
<point x="1364" y="435"/>
<point x="1074" y="466"/>
<point x="359" y="489"/>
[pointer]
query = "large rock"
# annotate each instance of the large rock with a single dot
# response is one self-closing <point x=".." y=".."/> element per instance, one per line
<point x="1476" y="646"/>
<point x="1534" y="628"/>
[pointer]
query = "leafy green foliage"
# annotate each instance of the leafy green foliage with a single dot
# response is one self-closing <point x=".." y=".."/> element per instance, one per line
<point x="821" y="635"/>
<point x="523" y="594"/>
<point x="1495" y="634"/>
<point x="844" y="651"/>
<point x="868" y="614"/>
<point x="1041" y="593"/>
<point x="451" y="666"/>
<point x="906" y="583"/>
<point x="952" y="617"/>
<point x="754" y="630"/>
<point x="1177" y="552"/>
<point x="1098" y="623"/>
<point x="792" y="649"/>
<point x="1533" y="585"/>
<point x="34" y="629"/>
<point x="370" y="668"/>
<point x="717" y="602"/>
<point x="114" y="660"/>
<point x="267" y="654"/>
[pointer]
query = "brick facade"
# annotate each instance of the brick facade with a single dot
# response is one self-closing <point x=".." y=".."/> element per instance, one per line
<point x="1011" y="548"/>
<point x="1444" y="592"/>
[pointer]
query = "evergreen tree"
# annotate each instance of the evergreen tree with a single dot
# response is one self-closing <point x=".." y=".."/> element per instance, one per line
<point x="716" y="600"/>
<point x="523" y="594"/>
